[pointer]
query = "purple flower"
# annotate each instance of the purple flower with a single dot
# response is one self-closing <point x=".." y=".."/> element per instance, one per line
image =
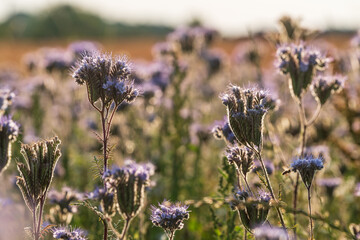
<point x="8" y="128"/>
<point x="6" y="98"/>
<point x="68" y="234"/>
<point x="106" y="78"/>
<point x="306" y="167"/>
<point x="170" y="217"/>
<point x="300" y="63"/>
<point x="222" y="130"/>
<point x="324" y="86"/>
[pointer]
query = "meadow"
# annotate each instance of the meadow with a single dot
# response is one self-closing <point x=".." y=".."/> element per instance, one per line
<point x="190" y="136"/>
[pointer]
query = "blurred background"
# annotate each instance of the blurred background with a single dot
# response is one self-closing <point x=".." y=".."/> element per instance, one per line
<point x="121" y="25"/>
<point x="172" y="124"/>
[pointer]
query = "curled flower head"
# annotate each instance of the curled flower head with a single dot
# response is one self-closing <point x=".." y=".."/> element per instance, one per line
<point x="68" y="234"/>
<point x="222" y="130"/>
<point x="170" y="217"/>
<point x="128" y="184"/>
<point x="106" y="197"/>
<point x="253" y="209"/>
<point x="300" y="63"/>
<point x="307" y="167"/>
<point x="241" y="158"/>
<point x="106" y="78"/>
<point x="246" y="110"/>
<point x="324" y="86"/>
<point x="270" y="233"/>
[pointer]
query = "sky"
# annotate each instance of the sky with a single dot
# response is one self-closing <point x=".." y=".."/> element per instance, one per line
<point x="231" y="17"/>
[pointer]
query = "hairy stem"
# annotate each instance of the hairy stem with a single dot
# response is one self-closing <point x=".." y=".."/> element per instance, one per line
<point x="303" y="128"/>
<point x="105" y="229"/>
<point x="268" y="183"/>
<point x="125" y="229"/>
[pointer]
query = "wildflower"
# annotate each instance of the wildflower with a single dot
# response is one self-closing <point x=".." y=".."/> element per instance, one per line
<point x="105" y="78"/>
<point x="106" y="199"/>
<point x="253" y="209"/>
<point x="246" y="110"/>
<point x="183" y="39"/>
<point x="306" y="167"/>
<point x="9" y="130"/>
<point x="270" y="233"/>
<point x="68" y="234"/>
<point x="324" y="86"/>
<point x="300" y="63"/>
<point x="62" y="211"/>
<point x="222" y="130"/>
<point x="36" y="175"/>
<point x="355" y="230"/>
<point x="241" y="158"/>
<point x="170" y="217"/>
<point x="129" y="183"/>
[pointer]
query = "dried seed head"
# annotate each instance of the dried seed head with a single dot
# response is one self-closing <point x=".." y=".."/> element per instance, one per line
<point x="307" y="167"/>
<point x="170" y="217"/>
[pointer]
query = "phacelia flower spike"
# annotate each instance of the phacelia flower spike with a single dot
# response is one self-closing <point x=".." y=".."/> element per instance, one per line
<point x="170" y="217"/>
<point x="68" y="234"/>
<point x="9" y="131"/>
<point x="241" y="158"/>
<point x="307" y="167"/>
<point x="324" y="86"/>
<point x="106" y="78"/>
<point x="300" y="64"/>
<point x="62" y="209"/>
<point x="246" y="109"/>
<point x="129" y="183"/>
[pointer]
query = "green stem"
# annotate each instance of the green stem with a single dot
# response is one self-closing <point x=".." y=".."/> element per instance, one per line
<point x="310" y="218"/>
<point x="271" y="189"/>
<point x="125" y="229"/>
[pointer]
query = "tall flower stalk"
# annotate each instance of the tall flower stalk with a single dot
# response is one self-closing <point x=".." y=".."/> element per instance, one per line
<point x="246" y="109"/>
<point x="108" y="85"/>
<point x="35" y="177"/>
<point x="306" y="167"/>
<point x="301" y="64"/>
